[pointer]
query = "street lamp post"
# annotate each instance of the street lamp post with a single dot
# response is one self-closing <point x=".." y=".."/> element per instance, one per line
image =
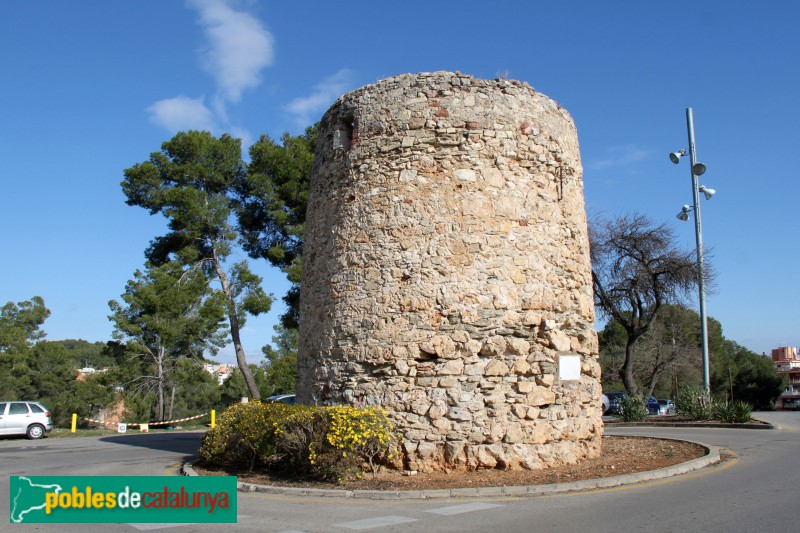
<point x="697" y="169"/>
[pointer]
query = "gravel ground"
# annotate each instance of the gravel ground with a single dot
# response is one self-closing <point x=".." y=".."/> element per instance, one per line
<point x="621" y="455"/>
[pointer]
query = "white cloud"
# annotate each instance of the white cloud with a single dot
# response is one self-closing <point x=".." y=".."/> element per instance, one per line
<point x="181" y="113"/>
<point x="325" y="93"/>
<point x="620" y="156"/>
<point x="239" y="47"/>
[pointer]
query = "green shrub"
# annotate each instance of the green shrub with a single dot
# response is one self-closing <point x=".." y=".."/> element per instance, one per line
<point x="335" y="442"/>
<point x="322" y="442"/>
<point x="722" y="410"/>
<point x="737" y="412"/>
<point x="693" y="403"/>
<point x="742" y="412"/>
<point x="300" y="438"/>
<point x="244" y="436"/>
<point x="633" y="409"/>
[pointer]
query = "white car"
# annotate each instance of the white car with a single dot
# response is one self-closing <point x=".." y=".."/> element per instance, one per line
<point x="282" y="398"/>
<point x="31" y="419"/>
<point x="666" y="407"/>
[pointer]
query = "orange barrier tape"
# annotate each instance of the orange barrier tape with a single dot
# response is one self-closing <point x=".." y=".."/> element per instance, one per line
<point x="135" y="424"/>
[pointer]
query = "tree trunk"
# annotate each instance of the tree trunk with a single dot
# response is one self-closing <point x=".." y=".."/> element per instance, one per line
<point x="242" y="360"/>
<point x="233" y="318"/>
<point x="653" y="380"/>
<point x="626" y="370"/>
<point x="172" y="401"/>
<point x="160" y="383"/>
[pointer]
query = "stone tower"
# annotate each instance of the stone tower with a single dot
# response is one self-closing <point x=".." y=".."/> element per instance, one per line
<point x="446" y="272"/>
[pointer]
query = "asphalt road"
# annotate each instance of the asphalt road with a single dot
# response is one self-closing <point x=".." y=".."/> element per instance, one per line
<point x="753" y="491"/>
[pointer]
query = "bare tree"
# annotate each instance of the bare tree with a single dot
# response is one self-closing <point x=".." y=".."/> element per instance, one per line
<point x="672" y="343"/>
<point x="637" y="268"/>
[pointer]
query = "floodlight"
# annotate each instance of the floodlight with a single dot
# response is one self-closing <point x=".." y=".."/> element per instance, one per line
<point x="684" y="214"/>
<point x="707" y="191"/>
<point x="698" y="169"/>
<point x="675" y="157"/>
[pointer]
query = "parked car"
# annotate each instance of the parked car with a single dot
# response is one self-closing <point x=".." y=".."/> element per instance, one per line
<point x="652" y="405"/>
<point x="615" y="400"/>
<point x="31" y="419"/>
<point x="666" y="407"/>
<point x="283" y="398"/>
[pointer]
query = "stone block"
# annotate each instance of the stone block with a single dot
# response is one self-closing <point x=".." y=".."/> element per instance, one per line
<point x="541" y="396"/>
<point x="494" y="346"/>
<point x="443" y="425"/>
<point x="518" y="346"/>
<point x="558" y="340"/>
<point x="475" y="369"/>
<point x="427" y="381"/>
<point x="401" y="367"/>
<point x="447" y="382"/>
<point x="496" y="367"/>
<point x="454" y="366"/>
<point x="437" y="410"/>
<point x="514" y="433"/>
<point x="486" y="458"/>
<point x="439" y="345"/>
<point x="521" y="366"/>
<point x="465" y="174"/>
<point x="455" y="453"/>
<point x="460" y="414"/>
<point x="525" y="387"/>
<point x="493" y="177"/>
<point x="540" y="433"/>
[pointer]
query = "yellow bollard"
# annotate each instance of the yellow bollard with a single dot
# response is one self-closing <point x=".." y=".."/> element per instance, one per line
<point x="213" y="418"/>
<point x="74" y="422"/>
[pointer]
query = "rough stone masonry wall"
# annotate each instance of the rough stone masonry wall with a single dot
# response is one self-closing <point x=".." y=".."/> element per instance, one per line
<point x="446" y="268"/>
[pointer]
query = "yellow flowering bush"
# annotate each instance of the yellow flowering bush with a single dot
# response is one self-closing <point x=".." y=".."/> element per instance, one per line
<point x="364" y="433"/>
<point x="245" y="435"/>
<point x="298" y="440"/>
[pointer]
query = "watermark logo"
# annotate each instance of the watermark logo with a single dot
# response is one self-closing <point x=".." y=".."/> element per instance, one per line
<point x="122" y="499"/>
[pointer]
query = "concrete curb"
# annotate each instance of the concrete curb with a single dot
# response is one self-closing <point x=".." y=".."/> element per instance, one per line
<point x="706" y="425"/>
<point x="486" y="492"/>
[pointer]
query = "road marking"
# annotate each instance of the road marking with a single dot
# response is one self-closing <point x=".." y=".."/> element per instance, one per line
<point x="465" y="508"/>
<point x="173" y="470"/>
<point x="378" y="521"/>
<point x="153" y="527"/>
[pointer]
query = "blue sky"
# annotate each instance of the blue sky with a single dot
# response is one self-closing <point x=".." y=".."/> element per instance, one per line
<point x="89" y="88"/>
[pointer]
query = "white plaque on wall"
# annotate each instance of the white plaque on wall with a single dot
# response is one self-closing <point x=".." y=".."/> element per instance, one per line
<point x="569" y="367"/>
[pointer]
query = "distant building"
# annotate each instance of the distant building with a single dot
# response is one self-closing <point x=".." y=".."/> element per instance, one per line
<point x="788" y="364"/>
<point x="86" y="371"/>
<point x="784" y="353"/>
<point x="222" y="371"/>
